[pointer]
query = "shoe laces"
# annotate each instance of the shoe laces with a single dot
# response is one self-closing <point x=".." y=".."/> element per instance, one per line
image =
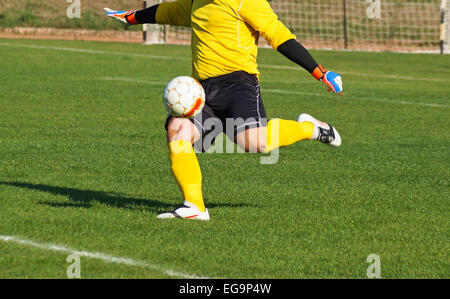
<point x="326" y="135"/>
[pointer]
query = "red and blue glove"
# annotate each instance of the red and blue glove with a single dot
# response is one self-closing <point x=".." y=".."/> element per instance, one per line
<point x="332" y="80"/>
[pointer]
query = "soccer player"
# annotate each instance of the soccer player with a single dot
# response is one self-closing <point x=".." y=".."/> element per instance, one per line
<point x="224" y="49"/>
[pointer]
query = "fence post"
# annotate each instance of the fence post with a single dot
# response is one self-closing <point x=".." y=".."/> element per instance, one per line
<point x="153" y="33"/>
<point x="144" y="32"/>
<point x="443" y="25"/>
<point x="345" y="25"/>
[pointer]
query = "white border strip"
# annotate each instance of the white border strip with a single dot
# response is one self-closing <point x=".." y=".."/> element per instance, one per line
<point x="99" y="256"/>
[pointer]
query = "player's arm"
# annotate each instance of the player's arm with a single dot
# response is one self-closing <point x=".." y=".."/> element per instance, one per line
<point x="176" y="13"/>
<point x="295" y="52"/>
<point x="259" y="15"/>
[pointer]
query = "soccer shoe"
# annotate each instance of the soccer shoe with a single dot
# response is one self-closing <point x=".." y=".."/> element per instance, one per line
<point x="327" y="133"/>
<point x="126" y="17"/>
<point x="186" y="211"/>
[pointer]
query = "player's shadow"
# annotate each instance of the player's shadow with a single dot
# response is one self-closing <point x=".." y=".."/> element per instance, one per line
<point x="85" y="198"/>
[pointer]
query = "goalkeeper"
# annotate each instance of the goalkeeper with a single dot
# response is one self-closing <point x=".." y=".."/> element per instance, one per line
<point x="224" y="49"/>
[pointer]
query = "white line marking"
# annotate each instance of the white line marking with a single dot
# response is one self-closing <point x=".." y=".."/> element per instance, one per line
<point x="358" y="98"/>
<point x="416" y="79"/>
<point x="282" y="67"/>
<point x="313" y="81"/>
<point x="282" y="91"/>
<point x="297" y="68"/>
<point x="161" y="83"/>
<point x="99" y="256"/>
<point x="132" y="80"/>
<point x="95" y="51"/>
<point x="293" y="92"/>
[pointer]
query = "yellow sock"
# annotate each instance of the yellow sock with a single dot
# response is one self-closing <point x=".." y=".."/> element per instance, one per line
<point x="281" y="132"/>
<point x="186" y="171"/>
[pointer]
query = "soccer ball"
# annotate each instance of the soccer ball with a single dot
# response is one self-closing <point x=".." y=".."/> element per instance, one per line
<point x="184" y="97"/>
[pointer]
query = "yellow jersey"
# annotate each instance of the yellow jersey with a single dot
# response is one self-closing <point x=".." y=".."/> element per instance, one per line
<point x="225" y="32"/>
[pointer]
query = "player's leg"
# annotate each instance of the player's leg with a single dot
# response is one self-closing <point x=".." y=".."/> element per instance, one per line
<point x="277" y="133"/>
<point x="256" y="134"/>
<point x="181" y="134"/>
<point x="281" y="132"/>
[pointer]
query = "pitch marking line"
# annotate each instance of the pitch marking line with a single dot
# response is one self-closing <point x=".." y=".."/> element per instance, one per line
<point x="93" y="51"/>
<point x="358" y="98"/>
<point x="293" y="68"/>
<point x="132" y="80"/>
<point x="281" y="91"/>
<point x="282" y="67"/>
<point x="99" y="256"/>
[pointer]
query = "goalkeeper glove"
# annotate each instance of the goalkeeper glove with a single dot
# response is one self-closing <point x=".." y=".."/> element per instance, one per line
<point x="127" y="17"/>
<point x="332" y="80"/>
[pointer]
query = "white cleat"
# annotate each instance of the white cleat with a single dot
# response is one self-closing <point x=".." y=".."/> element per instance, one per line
<point x="186" y="211"/>
<point x="327" y="133"/>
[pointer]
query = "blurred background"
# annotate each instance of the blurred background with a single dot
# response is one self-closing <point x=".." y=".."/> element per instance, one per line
<point x="387" y="25"/>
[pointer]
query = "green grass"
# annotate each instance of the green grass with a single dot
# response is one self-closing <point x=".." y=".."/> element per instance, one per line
<point x="84" y="164"/>
<point x="53" y="14"/>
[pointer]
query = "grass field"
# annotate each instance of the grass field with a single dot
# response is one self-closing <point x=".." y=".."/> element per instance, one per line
<point x="52" y="13"/>
<point x="84" y="165"/>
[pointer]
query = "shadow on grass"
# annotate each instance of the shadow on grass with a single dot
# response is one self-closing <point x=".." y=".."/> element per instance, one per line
<point x="85" y="198"/>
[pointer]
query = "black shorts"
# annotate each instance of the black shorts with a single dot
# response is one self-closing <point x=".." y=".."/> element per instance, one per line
<point x="233" y="104"/>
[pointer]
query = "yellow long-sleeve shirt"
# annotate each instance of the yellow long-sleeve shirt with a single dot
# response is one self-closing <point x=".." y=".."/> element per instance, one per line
<point x="225" y="32"/>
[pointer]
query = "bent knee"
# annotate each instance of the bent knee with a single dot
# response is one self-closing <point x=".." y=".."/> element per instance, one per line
<point x="182" y="129"/>
<point x="253" y="140"/>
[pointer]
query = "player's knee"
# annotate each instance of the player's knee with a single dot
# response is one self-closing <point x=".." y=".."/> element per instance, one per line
<point x="182" y="129"/>
<point x="253" y="140"/>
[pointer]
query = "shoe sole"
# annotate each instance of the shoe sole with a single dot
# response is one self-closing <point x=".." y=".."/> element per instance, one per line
<point x="174" y="215"/>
